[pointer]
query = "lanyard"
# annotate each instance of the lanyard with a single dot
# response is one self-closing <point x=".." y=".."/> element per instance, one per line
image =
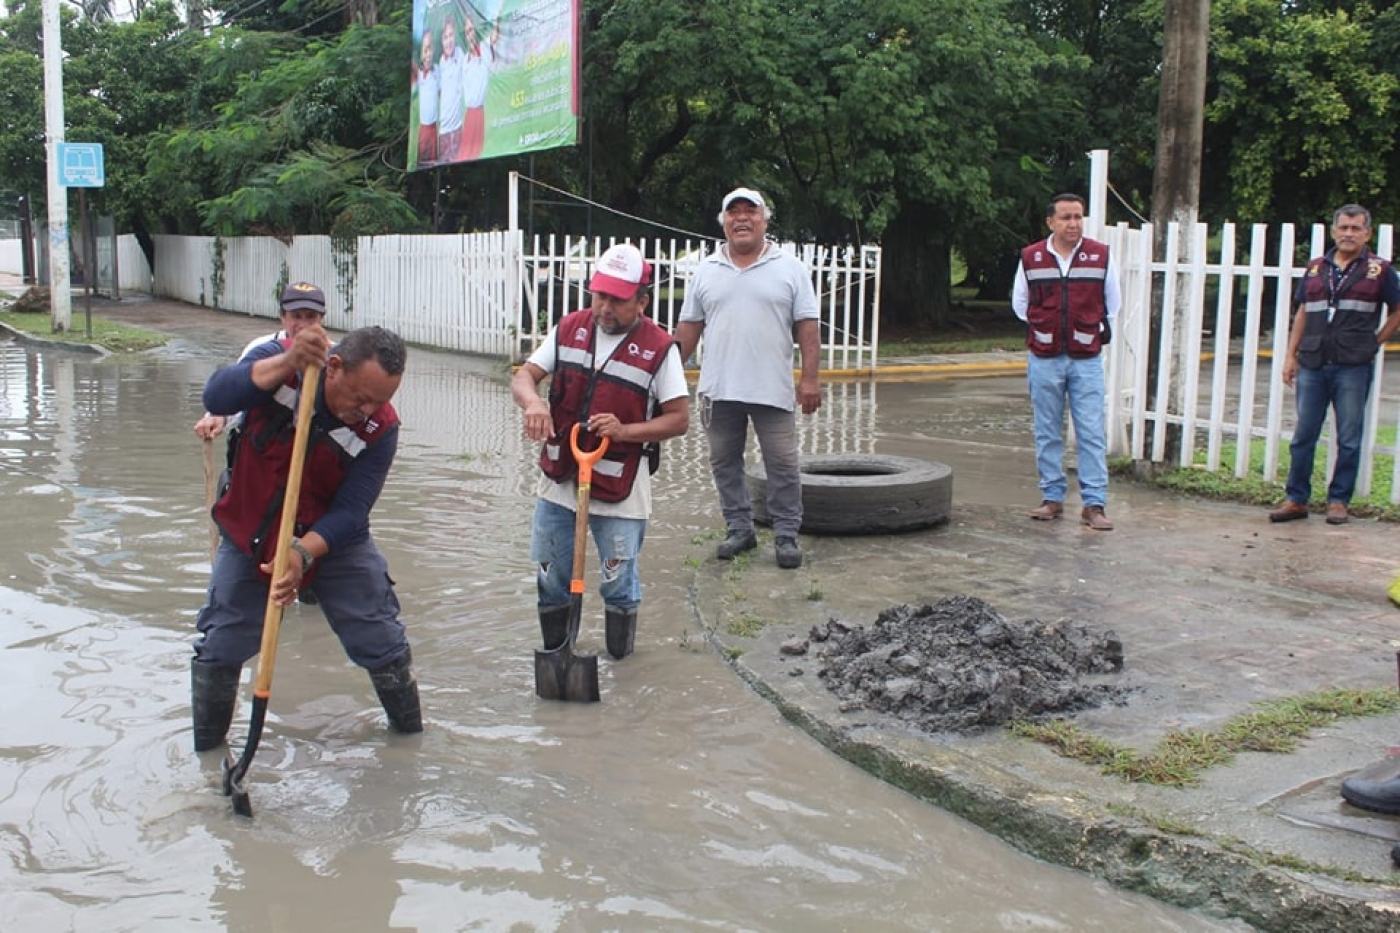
<point x="1339" y="280"/>
<point x="594" y="370"/>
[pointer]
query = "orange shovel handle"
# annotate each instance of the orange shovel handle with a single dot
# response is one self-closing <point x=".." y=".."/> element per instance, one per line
<point x="586" y="458"/>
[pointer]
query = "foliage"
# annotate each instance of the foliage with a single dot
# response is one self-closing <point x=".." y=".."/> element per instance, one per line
<point x="928" y="126"/>
<point x="1301" y="116"/>
<point x="1181" y="756"/>
<point x="303" y="139"/>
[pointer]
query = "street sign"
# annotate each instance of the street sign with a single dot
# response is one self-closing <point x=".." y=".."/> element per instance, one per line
<point x="80" y="165"/>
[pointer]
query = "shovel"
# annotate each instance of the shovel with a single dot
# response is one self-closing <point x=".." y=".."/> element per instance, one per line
<point x="559" y="673"/>
<point x="236" y="773"/>
<point x="210" y="491"/>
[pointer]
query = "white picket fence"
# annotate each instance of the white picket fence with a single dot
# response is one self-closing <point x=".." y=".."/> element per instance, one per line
<point x="1220" y="375"/>
<point x="479" y="293"/>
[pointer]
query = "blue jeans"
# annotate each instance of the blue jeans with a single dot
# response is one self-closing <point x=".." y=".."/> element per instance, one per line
<point x="619" y="542"/>
<point x="1345" y="389"/>
<point x="1052" y="381"/>
<point x="727" y="427"/>
<point x="352" y="587"/>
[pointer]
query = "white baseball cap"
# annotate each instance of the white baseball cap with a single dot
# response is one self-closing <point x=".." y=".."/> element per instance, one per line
<point x="620" y="272"/>
<point x="743" y="194"/>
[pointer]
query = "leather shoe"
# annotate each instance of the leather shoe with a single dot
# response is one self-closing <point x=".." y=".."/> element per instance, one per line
<point x="1094" y="517"/>
<point x="1289" y="511"/>
<point x="736" y="542"/>
<point x="1048" y="511"/>
<point x="1376" y="796"/>
<point x="1337" y="513"/>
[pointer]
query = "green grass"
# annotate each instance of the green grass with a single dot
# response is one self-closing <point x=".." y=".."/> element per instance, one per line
<point x="949" y="343"/>
<point x="1252" y="489"/>
<point x="1180" y="757"/>
<point x="105" y="334"/>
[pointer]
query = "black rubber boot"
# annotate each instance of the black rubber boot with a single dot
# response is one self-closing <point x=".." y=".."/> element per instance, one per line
<point x="622" y="631"/>
<point x="554" y="626"/>
<point x="213" y="696"/>
<point x="1376" y="796"/>
<point x="398" y="694"/>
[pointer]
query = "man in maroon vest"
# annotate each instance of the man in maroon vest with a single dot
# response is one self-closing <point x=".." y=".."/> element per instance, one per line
<point x="617" y="373"/>
<point x="1331" y="357"/>
<point x="354" y="436"/>
<point x="1066" y="290"/>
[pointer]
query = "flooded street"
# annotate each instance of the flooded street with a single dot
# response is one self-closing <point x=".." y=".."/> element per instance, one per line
<point x="682" y="801"/>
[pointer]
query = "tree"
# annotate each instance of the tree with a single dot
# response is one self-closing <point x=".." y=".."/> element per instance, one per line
<point x="1301" y="110"/>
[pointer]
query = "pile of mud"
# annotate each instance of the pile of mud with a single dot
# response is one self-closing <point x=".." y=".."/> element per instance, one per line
<point x="959" y="666"/>
<point x="36" y="299"/>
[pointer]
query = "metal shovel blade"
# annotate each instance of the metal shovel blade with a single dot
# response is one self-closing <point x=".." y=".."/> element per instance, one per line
<point x="562" y="675"/>
<point x="236" y="789"/>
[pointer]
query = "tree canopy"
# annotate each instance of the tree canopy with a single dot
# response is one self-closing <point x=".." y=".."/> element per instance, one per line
<point x="930" y="127"/>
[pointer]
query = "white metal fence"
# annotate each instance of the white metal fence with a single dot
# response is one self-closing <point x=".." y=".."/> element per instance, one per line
<point x="847" y="282"/>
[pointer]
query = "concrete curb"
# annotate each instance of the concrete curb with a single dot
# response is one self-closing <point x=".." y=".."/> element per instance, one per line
<point x="50" y="343"/>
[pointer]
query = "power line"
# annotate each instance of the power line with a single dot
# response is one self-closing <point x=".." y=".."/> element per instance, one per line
<point x="611" y="210"/>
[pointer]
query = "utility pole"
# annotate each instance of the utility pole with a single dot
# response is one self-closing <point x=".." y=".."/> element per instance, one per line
<point x="60" y="291"/>
<point x="1176" y="180"/>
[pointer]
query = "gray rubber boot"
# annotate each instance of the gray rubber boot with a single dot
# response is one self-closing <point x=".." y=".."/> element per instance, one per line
<point x="398" y="694"/>
<point x="213" y="697"/>
<point x="554" y="626"/>
<point x="622" y="631"/>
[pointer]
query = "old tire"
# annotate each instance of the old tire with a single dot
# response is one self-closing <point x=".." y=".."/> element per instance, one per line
<point x="863" y="494"/>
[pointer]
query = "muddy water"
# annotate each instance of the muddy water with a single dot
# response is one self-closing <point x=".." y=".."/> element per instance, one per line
<point x="681" y="802"/>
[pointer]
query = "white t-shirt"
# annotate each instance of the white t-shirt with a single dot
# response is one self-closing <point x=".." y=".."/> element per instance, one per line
<point x="428" y="96"/>
<point x="450" y="78"/>
<point x="749" y="315"/>
<point x="668" y="384"/>
<point x="476" y="76"/>
<point x="233" y="421"/>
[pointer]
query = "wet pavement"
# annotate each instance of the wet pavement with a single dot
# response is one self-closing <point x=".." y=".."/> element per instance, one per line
<point x="1217" y="610"/>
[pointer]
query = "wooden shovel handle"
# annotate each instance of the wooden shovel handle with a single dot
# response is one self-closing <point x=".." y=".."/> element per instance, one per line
<point x="210" y="489"/>
<point x="272" y="619"/>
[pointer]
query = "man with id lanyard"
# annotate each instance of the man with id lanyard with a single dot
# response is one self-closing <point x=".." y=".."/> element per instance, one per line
<point x="1331" y="357"/>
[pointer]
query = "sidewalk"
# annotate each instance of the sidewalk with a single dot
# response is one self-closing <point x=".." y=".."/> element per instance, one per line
<point x="1217" y="610"/>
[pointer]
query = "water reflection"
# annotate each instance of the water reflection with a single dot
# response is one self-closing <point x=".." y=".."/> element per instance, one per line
<point x="681" y="802"/>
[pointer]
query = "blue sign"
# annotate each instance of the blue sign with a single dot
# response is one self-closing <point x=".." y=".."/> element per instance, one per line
<point x="80" y="165"/>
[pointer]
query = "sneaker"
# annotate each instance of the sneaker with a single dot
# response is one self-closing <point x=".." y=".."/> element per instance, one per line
<point x="789" y="554"/>
<point x="736" y="542"/>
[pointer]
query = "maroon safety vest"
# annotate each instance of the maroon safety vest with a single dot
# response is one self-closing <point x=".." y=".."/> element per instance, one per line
<point x="1347" y="336"/>
<point x="622" y="386"/>
<point x="250" y="510"/>
<point x="1065" y="310"/>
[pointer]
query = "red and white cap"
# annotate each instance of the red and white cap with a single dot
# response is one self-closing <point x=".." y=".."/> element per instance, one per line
<point x="620" y="271"/>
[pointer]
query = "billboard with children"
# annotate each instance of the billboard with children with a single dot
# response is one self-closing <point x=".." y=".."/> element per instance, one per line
<point x="492" y="78"/>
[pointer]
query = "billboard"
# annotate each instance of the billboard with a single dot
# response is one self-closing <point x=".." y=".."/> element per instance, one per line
<point x="492" y="78"/>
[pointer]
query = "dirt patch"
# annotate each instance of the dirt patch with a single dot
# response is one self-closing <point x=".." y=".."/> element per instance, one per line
<point x="35" y="300"/>
<point x="959" y="666"/>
